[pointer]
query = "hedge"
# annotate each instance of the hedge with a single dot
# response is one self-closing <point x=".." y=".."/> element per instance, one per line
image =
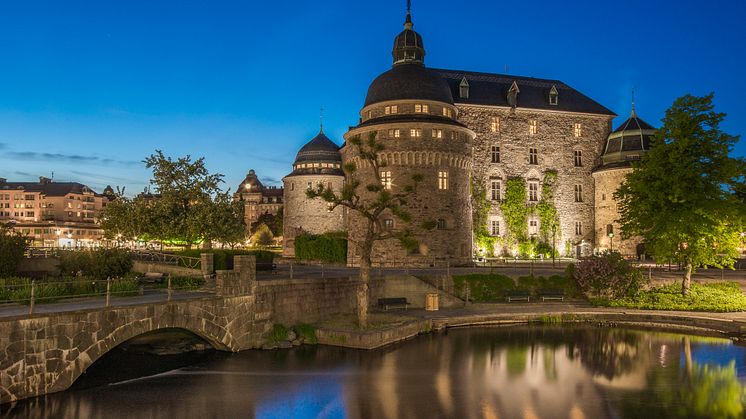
<point x="224" y="257"/>
<point x="330" y="247"/>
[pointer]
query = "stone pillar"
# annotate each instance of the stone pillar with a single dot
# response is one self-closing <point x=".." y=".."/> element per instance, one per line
<point x="245" y="265"/>
<point x="207" y="262"/>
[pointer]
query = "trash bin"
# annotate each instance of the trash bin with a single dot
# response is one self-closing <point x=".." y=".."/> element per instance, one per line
<point x="431" y="301"/>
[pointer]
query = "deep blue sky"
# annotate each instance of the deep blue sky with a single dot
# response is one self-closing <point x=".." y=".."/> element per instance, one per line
<point x="88" y="89"/>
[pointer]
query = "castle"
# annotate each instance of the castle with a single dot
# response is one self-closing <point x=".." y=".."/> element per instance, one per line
<point x="464" y="132"/>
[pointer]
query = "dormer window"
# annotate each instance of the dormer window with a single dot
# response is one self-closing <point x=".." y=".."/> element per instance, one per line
<point x="463" y="89"/>
<point x="553" y="95"/>
<point x="513" y="95"/>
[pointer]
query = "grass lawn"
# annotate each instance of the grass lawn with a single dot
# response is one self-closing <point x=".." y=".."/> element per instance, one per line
<point x="714" y="297"/>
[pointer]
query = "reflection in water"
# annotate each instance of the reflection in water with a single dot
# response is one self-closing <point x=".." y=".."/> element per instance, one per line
<point x="511" y="372"/>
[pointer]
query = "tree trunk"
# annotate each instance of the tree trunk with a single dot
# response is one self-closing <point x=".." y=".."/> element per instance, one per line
<point x="363" y="291"/>
<point x="686" y="284"/>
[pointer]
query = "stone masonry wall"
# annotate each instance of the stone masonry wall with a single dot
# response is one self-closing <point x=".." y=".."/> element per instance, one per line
<point x="607" y="182"/>
<point x="308" y="215"/>
<point x="293" y="301"/>
<point x="556" y="142"/>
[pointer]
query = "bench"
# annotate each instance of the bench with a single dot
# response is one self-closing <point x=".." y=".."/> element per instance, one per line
<point x="385" y="303"/>
<point x="151" y="277"/>
<point x="518" y="295"/>
<point x="266" y="266"/>
<point x="551" y="294"/>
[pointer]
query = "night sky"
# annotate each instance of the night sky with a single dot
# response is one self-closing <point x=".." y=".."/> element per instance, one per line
<point x="88" y="89"/>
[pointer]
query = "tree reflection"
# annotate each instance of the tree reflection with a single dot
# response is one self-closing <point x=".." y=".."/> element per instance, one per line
<point x="608" y="352"/>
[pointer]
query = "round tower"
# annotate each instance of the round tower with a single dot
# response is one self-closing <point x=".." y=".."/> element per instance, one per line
<point x="410" y="109"/>
<point x="317" y="162"/>
<point x="624" y="146"/>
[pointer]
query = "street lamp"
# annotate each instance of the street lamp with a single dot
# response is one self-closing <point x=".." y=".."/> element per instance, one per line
<point x="610" y="233"/>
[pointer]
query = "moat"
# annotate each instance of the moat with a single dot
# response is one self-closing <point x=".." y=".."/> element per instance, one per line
<point x="521" y="371"/>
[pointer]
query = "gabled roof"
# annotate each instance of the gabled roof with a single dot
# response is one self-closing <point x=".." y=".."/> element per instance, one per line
<point x="49" y="188"/>
<point x="492" y="90"/>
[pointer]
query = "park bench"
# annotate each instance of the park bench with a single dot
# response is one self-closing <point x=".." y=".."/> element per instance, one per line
<point x="385" y="303"/>
<point x="551" y="294"/>
<point x="151" y="277"/>
<point x="518" y="295"/>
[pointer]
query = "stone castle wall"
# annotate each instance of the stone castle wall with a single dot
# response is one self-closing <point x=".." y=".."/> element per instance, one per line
<point x="555" y="142"/>
<point x="607" y="212"/>
<point x="302" y="214"/>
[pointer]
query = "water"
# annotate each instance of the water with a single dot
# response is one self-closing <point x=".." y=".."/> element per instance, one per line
<point x="509" y="372"/>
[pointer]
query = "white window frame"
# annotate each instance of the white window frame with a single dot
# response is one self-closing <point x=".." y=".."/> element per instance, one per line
<point x="437" y="133"/>
<point x="533" y="191"/>
<point x="443" y="180"/>
<point x="496" y="190"/>
<point x="533" y="127"/>
<point x="386" y="179"/>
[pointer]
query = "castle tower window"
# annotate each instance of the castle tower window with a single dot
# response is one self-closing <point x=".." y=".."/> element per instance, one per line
<point x="441" y="224"/>
<point x="418" y="108"/>
<point x="437" y="133"/>
<point x="495" y="189"/>
<point x="388" y="110"/>
<point x="533" y="156"/>
<point x="495" y="154"/>
<point x="388" y="224"/>
<point x="494" y="227"/>
<point x="495" y="124"/>
<point x="578" y="158"/>
<point x="553" y="96"/>
<point x="578" y="193"/>
<point x="532" y="127"/>
<point x="453" y="135"/>
<point x="578" y="129"/>
<point x="443" y="180"/>
<point x="533" y="191"/>
<point x="463" y="89"/>
<point x="386" y="179"/>
<point x="447" y="112"/>
<point x="415" y="132"/>
<point x="394" y="133"/>
<point x="370" y="114"/>
<point x="578" y="228"/>
<point x="533" y="227"/>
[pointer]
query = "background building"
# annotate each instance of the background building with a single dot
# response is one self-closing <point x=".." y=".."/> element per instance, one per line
<point x="258" y="199"/>
<point x="53" y="214"/>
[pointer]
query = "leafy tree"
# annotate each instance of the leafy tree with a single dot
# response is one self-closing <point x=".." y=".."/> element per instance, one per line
<point x="680" y="196"/>
<point x="273" y="221"/>
<point x="263" y="236"/>
<point x="12" y="247"/>
<point x="372" y="205"/>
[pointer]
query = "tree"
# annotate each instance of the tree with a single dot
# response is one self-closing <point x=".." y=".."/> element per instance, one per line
<point x="372" y="205"/>
<point x="273" y="221"/>
<point x="263" y="236"/>
<point x="681" y="197"/>
<point x="12" y="247"/>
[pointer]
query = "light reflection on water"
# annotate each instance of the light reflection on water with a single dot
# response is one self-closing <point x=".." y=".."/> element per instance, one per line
<point x="520" y="371"/>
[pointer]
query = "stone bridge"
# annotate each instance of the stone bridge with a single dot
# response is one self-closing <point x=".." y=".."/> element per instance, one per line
<point x="45" y="353"/>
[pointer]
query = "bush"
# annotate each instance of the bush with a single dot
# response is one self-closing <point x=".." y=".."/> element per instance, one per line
<point x="558" y="282"/>
<point x="12" y="248"/>
<point x="307" y="332"/>
<point x="223" y="258"/>
<point x="715" y="297"/>
<point x="330" y="247"/>
<point x="19" y="289"/>
<point x="483" y="287"/>
<point x="278" y="333"/>
<point x="97" y="264"/>
<point x="607" y="276"/>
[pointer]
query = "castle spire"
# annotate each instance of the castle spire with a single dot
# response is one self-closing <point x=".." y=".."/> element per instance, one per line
<point x="321" y="119"/>
<point x="634" y="113"/>
<point x="408" y="47"/>
<point x="408" y="21"/>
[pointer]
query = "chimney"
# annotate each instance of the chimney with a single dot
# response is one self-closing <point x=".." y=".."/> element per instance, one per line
<point x="44" y="180"/>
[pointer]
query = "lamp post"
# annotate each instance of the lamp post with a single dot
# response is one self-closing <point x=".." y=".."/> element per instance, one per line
<point x="611" y="238"/>
<point x="610" y="233"/>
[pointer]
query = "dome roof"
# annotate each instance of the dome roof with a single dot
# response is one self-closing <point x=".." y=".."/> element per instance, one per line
<point x="409" y="81"/>
<point x="628" y="141"/>
<point x="408" y="45"/>
<point x="251" y="183"/>
<point x="320" y="150"/>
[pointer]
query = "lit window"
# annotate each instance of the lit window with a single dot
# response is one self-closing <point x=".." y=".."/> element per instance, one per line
<point x="442" y="180"/>
<point x="533" y="191"/>
<point x="370" y="114"/>
<point x="421" y="108"/>
<point x="394" y="133"/>
<point x="578" y="158"/>
<point x="415" y="132"/>
<point x="532" y="125"/>
<point x="494" y="227"/>
<point x="495" y="124"/>
<point x="441" y="224"/>
<point x="578" y="193"/>
<point x="391" y="109"/>
<point x="437" y="133"/>
<point x="495" y="186"/>
<point x="495" y="154"/>
<point x="533" y="227"/>
<point x="447" y="112"/>
<point x="386" y="179"/>
<point x="533" y="156"/>
<point x="388" y="224"/>
<point x="578" y="228"/>
<point x="453" y="135"/>
<point x="578" y="128"/>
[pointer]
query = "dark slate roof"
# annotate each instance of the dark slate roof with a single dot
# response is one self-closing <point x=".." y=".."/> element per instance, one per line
<point x="253" y="180"/>
<point x="431" y="118"/>
<point x="633" y="123"/>
<point x="627" y="142"/>
<point x="320" y="149"/>
<point x="492" y="90"/>
<point x="408" y="81"/>
<point x="48" y="188"/>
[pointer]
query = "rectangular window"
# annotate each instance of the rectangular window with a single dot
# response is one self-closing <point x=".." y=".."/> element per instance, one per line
<point x="578" y="228"/>
<point x="442" y="180"/>
<point x="437" y="133"/>
<point x="494" y="124"/>
<point x="578" y="158"/>
<point x="453" y="135"/>
<point x="494" y="227"/>
<point x="391" y="109"/>
<point x="447" y="112"/>
<point x="386" y="179"/>
<point x="441" y="224"/>
<point x="421" y="108"/>
<point x="533" y="191"/>
<point x="495" y="186"/>
<point x="394" y="133"/>
<point x="578" y="128"/>
<point x="533" y="156"/>
<point x="578" y="193"/>
<point x="495" y="154"/>
<point x="532" y="127"/>
<point x="370" y="114"/>
<point x="388" y="224"/>
<point x="415" y="132"/>
<point x="533" y="227"/>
